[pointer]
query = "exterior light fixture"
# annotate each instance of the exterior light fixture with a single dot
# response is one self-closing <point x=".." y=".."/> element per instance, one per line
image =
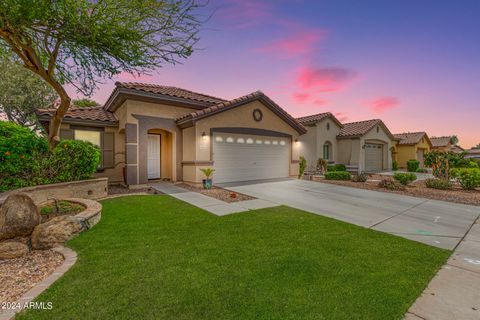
<point x="204" y="136"/>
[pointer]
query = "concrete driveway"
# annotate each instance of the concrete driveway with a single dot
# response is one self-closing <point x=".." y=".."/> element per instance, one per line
<point x="437" y="223"/>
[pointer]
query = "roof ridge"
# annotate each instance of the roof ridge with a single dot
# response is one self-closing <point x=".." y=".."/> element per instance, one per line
<point x="153" y="85"/>
<point x="315" y="114"/>
<point x="370" y="120"/>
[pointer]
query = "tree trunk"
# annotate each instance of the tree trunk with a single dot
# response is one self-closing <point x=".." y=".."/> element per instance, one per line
<point x="56" y="121"/>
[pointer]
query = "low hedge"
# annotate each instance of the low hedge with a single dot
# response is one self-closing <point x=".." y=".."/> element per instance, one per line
<point x="337" y="167"/>
<point x="26" y="160"/>
<point x="440" y="184"/>
<point x="413" y="165"/>
<point x="404" y="178"/>
<point x="469" y="178"/>
<point x="338" y="175"/>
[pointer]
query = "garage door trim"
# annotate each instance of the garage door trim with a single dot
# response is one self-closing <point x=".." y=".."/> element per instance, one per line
<point x="251" y="131"/>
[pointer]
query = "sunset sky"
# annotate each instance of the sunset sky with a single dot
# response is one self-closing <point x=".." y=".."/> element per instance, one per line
<point x="413" y="63"/>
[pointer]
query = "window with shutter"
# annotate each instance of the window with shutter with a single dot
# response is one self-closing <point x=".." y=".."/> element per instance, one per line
<point x="108" y="152"/>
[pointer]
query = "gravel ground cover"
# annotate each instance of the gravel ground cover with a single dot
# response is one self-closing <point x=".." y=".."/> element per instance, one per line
<point x="218" y="193"/>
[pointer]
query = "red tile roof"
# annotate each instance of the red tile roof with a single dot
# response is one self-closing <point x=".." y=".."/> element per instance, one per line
<point x="314" y="118"/>
<point x="357" y="129"/>
<point x="92" y="114"/>
<point x="227" y="105"/>
<point x="409" y="138"/>
<point x="170" y="91"/>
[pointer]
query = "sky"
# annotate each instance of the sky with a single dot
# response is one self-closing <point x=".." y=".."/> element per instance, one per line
<point x="415" y="64"/>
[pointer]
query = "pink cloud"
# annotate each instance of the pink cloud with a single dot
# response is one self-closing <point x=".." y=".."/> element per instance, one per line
<point x="324" y="79"/>
<point x="381" y="104"/>
<point x="319" y="102"/>
<point x="244" y="13"/>
<point x="341" y="116"/>
<point x="300" y="43"/>
<point x="300" y="97"/>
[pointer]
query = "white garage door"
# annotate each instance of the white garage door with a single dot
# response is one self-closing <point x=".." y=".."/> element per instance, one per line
<point x="373" y="157"/>
<point x="239" y="157"/>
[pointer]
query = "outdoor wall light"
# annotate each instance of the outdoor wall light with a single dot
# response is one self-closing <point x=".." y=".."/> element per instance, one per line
<point x="204" y="136"/>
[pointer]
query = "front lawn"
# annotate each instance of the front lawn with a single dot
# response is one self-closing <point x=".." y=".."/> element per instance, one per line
<point x="155" y="257"/>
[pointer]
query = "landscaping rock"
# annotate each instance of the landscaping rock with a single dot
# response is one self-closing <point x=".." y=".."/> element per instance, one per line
<point x="12" y="250"/>
<point x="18" y="216"/>
<point x="56" y="231"/>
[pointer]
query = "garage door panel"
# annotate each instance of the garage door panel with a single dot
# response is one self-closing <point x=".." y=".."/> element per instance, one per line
<point x="373" y="157"/>
<point x="245" y="159"/>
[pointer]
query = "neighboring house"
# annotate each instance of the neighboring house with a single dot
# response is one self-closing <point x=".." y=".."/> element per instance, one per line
<point x="361" y="146"/>
<point x="473" y="153"/>
<point x="411" y="146"/>
<point x="149" y="132"/>
<point x="445" y="144"/>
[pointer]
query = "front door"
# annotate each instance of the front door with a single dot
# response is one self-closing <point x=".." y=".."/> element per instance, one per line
<point x="153" y="156"/>
<point x="420" y="157"/>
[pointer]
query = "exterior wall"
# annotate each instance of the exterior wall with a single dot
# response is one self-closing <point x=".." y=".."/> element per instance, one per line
<point x="239" y="117"/>
<point x="348" y="151"/>
<point x="308" y="147"/>
<point x="409" y="152"/>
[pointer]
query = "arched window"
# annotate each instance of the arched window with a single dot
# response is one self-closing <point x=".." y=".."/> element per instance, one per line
<point x="327" y="151"/>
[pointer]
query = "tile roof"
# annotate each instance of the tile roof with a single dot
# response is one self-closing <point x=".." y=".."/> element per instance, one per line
<point x="440" y="141"/>
<point x="473" y="151"/>
<point x="314" y="118"/>
<point x="224" y="106"/>
<point x="93" y="114"/>
<point x="170" y="91"/>
<point x="355" y="129"/>
<point x="409" y="137"/>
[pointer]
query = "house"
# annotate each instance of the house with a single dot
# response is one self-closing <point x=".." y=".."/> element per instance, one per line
<point x="361" y="146"/>
<point x="473" y="153"/>
<point x="148" y="132"/>
<point x="411" y="146"/>
<point x="445" y="144"/>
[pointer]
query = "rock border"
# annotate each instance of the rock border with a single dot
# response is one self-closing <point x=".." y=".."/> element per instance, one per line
<point x="70" y="259"/>
<point x="92" y="213"/>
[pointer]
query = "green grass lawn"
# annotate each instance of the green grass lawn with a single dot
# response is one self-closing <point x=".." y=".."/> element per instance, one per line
<point x="155" y="257"/>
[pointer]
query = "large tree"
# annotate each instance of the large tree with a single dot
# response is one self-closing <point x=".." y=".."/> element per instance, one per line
<point x="21" y="93"/>
<point x="83" y="41"/>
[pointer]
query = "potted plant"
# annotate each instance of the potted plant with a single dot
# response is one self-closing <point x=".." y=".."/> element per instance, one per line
<point x="207" y="182"/>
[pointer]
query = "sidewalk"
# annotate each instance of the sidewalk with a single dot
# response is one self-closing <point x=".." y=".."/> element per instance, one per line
<point x="454" y="293"/>
<point x="212" y="205"/>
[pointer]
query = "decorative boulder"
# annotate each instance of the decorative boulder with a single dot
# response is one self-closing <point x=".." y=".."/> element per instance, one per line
<point x="12" y="250"/>
<point x="56" y="231"/>
<point x="18" y="216"/>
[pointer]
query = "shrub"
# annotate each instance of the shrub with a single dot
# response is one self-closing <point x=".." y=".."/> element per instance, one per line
<point x="301" y="167"/>
<point x="404" y="178"/>
<point x="421" y="170"/>
<point x="394" y="165"/>
<point x="338" y="175"/>
<point x="441" y="184"/>
<point x="391" y="185"/>
<point x="322" y="165"/>
<point x="362" y="177"/>
<point x="469" y="178"/>
<point x="330" y="167"/>
<point x="26" y="160"/>
<point x="340" y="167"/>
<point x="413" y="165"/>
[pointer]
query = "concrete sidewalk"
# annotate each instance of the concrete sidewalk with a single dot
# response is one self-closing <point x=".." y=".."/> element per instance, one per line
<point x="212" y="205"/>
<point x="454" y="293"/>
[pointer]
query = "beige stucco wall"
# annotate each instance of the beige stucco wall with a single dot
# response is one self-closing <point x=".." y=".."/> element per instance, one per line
<point x="235" y="118"/>
<point x="154" y="110"/>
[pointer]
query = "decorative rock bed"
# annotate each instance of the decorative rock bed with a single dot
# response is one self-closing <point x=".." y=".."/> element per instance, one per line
<point x="21" y="230"/>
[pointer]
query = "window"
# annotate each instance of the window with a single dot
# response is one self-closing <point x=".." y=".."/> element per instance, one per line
<point x="327" y="151"/>
<point x="282" y="143"/>
<point x="258" y="141"/>
<point x="230" y="140"/>
<point x="218" y="139"/>
<point x="249" y="140"/>
<point x="240" y="140"/>
<point x="87" y="135"/>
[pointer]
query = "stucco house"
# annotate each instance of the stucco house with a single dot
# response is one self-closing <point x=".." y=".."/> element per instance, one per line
<point x="411" y="146"/>
<point x="445" y="144"/>
<point x="361" y="146"/>
<point x="148" y="132"/>
<point x="473" y="153"/>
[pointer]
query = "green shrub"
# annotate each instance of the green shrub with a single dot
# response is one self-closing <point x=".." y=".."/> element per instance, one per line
<point x="394" y="165"/>
<point x="469" y="178"/>
<point x="391" y="185"/>
<point x="74" y="160"/>
<point x="421" y="170"/>
<point x="26" y="160"/>
<point x="413" y="165"/>
<point x="338" y="175"/>
<point x="337" y="167"/>
<point x="301" y="167"/>
<point x="362" y="177"/>
<point x="404" y="178"/>
<point x="322" y="165"/>
<point x="441" y="184"/>
<point x="330" y="167"/>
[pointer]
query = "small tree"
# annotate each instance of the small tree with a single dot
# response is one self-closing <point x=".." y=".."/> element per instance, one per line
<point x="454" y="140"/>
<point x="302" y="166"/>
<point x="22" y="93"/>
<point x="79" y="42"/>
